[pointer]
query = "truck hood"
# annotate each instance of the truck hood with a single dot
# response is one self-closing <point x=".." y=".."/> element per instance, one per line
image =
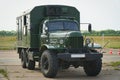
<point x="65" y="34"/>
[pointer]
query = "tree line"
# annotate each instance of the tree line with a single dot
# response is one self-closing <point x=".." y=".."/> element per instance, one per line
<point x="8" y="33"/>
<point x="103" y="33"/>
<point x="93" y="33"/>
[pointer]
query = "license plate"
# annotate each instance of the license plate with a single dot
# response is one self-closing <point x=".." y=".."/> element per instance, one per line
<point x="77" y="55"/>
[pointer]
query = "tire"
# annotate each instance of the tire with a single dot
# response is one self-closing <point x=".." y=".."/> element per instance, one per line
<point x="23" y="59"/>
<point x="93" y="68"/>
<point x="49" y="64"/>
<point x="31" y="65"/>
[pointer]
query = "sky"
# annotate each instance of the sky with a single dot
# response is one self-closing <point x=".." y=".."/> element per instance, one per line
<point x="102" y="14"/>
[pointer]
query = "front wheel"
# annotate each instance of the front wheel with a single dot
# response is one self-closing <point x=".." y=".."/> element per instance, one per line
<point x="93" y="68"/>
<point x="49" y="64"/>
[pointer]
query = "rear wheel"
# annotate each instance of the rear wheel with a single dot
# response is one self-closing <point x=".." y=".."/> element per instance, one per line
<point x="93" y="68"/>
<point x="31" y="65"/>
<point x="23" y="59"/>
<point x="26" y="63"/>
<point x="49" y="64"/>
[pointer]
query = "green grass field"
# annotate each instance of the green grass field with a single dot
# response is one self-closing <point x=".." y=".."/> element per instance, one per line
<point x="8" y="43"/>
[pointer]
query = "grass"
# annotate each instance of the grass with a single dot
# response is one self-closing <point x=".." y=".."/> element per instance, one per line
<point x="4" y="73"/>
<point x="116" y="65"/>
<point x="114" y="41"/>
<point x="7" y="43"/>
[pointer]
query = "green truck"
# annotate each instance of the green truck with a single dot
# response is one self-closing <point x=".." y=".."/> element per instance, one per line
<point x="51" y="36"/>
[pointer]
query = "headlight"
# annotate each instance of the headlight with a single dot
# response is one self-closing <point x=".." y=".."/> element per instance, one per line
<point x="61" y="41"/>
<point x="87" y="41"/>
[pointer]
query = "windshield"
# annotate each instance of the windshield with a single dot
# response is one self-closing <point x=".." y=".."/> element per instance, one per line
<point x="62" y="26"/>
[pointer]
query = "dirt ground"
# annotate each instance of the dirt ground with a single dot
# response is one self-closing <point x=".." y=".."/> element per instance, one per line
<point x="10" y="62"/>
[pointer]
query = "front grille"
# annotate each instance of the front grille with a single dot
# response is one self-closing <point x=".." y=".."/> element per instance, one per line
<point x="74" y="44"/>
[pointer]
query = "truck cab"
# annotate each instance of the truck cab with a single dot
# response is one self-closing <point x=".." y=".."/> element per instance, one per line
<point x="57" y="32"/>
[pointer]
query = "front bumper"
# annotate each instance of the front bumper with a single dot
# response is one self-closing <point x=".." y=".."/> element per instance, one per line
<point x="79" y="56"/>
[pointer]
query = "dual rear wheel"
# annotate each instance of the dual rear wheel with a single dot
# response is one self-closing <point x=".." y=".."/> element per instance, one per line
<point x="48" y="63"/>
<point x="26" y="63"/>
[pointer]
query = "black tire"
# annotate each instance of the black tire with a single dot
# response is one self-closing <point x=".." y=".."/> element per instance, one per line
<point x="93" y="68"/>
<point x="23" y="59"/>
<point x="31" y="65"/>
<point x="49" y="64"/>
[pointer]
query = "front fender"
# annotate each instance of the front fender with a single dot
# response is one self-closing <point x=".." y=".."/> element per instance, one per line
<point x="49" y="46"/>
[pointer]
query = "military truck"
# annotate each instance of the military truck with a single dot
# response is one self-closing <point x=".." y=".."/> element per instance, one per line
<point x="51" y="36"/>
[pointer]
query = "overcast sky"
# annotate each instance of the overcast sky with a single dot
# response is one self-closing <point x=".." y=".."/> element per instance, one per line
<point x="103" y="14"/>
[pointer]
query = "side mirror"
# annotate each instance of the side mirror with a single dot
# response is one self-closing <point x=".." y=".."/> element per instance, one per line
<point x="89" y="28"/>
